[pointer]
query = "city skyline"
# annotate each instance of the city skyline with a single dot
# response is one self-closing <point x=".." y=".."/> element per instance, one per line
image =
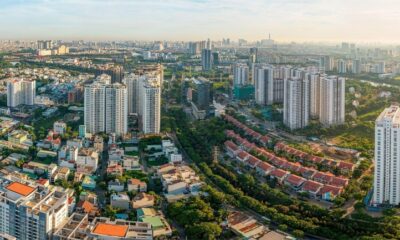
<point x="287" y="20"/>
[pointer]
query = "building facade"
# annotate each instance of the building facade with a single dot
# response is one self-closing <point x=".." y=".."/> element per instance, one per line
<point x="296" y="103"/>
<point x="387" y="161"/>
<point x="21" y="91"/>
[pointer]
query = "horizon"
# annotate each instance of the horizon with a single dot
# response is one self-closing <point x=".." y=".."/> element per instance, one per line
<point x="305" y="21"/>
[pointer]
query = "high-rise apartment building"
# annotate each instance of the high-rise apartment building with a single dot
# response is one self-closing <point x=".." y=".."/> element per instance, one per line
<point x="28" y="211"/>
<point x="356" y="66"/>
<point x="342" y="66"/>
<point x="149" y="109"/>
<point x="268" y="84"/>
<point x="106" y="108"/>
<point x="327" y="63"/>
<point x="387" y="157"/>
<point x="332" y="100"/>
<point x="131" y="81"/>
<point x="296" y="102"/>
<point x="315" y="94"/>
<point x="206" y="59"/>
<point x="240" y="74"/>
<point x="21" y="91"/>
<point x="201" y="97"/>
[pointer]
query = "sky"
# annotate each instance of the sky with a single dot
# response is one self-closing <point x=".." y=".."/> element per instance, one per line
<point x="287" y="20"/>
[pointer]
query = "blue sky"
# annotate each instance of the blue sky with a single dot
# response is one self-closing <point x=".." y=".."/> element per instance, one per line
<point x="286" y="20"/>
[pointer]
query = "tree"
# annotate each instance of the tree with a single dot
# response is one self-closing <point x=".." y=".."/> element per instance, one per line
<point x="283" y="227"/>
<point x="110" y="212"/>
<point x="298" y="233"/>
<point x="204" y="230"/>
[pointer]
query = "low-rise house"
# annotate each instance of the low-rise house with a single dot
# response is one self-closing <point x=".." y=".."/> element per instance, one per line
<point x="324" y="178"/>
<point x="137" y="185"/>
<point x="61" y="173"/>
<point x="345" y="167"/>
<point x="242" y="156"/>
<point x="88" y="158"/>
<point x="89" y="183"/>
<point x="244" y="225"/>
<point x="158" y="223"/>
<point x="329" y="193"/>
<point x="165" y="168"/>
<point x="142" y="200"/>
<point x="253" y="161"/>
<point x="115" y="169"/>
<point x="231" y="148"/>
<point x="175" y="158"/>
<point x="60" y="127"/>
<point x="120" y="201"/>
<point x="116" y="185"/>
<point x="20" y="137"/>
<point x="131" y="163"/>
<point x="67" y="156"/>
<point x="278" y="174"/>
<point x="294" y="181"/>
<point x="312" y="188"/>
<point x="87" y="207"/>
<point x="264" y="168"/>
<point x="98" y="143"/>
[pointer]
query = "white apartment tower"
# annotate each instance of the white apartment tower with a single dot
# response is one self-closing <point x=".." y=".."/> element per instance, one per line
<point x="240" y="75"/>
<point x="21" y="91"/>
<point x="106" y="108"/>
<point x="332" y="100"/>
<point x="387" y="158"/>
<point x="116" y="119"/>
<point x="149" y="104"/>
<point x="315" y="94"/>
<point x="264" y="84"/>
<point x="131" y="82"/>
<point x="296" y="103"/>
<point x="29" y="212"/>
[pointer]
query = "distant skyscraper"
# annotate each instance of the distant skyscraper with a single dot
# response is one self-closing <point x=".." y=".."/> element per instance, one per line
<point x="380" y="67"/>
<point x="342" y="66"/>
<point x="296" y="103"/>
<point x="106" y="108"/>
<point x="387" y="157"/>
<point x="240" y="74"/>
<point x="326" y="63"/>
<point x="44" y="44"/>
<point x="215" y="58"/>
<point x="253" y="55"/>
<point x="20" y="91"/>
<point x="206" y="59"/>
<point x="332" y="100"/>
<point x="356" y="66"/>
<point x="116" y="73"/>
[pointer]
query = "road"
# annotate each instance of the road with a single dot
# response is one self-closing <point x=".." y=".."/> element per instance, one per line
<point x="101" y="172"/>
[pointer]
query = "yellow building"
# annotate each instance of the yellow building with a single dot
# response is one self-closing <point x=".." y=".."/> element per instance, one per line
<point x="18" y="136"/>
<point x="62" y="50"/>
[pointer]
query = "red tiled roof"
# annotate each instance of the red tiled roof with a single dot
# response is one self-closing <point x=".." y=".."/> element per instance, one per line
<point x="265" y="166"/>
<point x="328" y="188"/>
<point x="253" y="161"/>
<point x="294" y="180"/>
<point x="311" y="186"/>
<point x="339" y="181"/>
<point x="232" y="146"/>
<point x="278" y="173"/>
<point x="345" y="165"/>
<point x="86" y="206"/>
<point x="242" y="155"/>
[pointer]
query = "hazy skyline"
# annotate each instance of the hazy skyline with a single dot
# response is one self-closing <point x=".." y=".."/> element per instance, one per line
<point x="286" y="20"/>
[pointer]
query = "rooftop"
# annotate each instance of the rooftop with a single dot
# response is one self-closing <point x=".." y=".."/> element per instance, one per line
<point x="111" y="230"/>
<point x="20" y="188"/>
